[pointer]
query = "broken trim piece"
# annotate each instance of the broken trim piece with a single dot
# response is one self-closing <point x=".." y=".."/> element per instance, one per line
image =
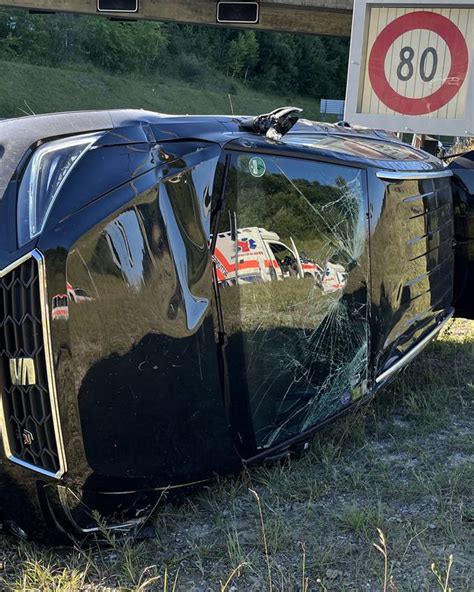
<point x="273" y="125"/>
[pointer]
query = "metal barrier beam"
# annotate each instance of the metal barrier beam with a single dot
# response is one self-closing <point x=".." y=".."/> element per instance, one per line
<point x="317" y="17"/>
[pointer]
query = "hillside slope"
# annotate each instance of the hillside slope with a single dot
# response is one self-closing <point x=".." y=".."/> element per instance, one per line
<point x="25" y="88"/>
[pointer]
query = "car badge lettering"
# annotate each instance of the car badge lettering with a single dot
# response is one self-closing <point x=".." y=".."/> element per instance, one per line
<point x="28" y="437"/>
<point x="22" y="371"/>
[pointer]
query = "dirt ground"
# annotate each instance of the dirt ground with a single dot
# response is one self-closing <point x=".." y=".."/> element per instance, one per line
<point x="383" y="500"/>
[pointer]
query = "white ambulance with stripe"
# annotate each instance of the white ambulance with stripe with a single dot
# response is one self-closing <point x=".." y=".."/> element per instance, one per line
<point x="258" y="255"/>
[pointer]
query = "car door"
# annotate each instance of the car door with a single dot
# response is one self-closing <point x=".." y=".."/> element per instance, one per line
<point x="295" y="352"/>
<point x="144" y="351"/>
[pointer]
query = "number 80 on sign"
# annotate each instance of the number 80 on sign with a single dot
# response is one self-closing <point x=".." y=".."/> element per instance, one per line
<point x="426" y="88"/>
<point x="414" y="62"/>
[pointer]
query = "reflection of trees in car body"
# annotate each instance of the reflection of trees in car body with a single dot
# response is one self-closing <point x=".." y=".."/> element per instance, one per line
<point x="321" y="214"/>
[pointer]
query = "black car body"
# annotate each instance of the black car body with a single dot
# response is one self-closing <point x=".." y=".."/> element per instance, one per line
<point x="182" y="296"/>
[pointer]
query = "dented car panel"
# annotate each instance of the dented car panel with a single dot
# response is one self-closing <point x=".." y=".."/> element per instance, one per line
<point x="199" y="297"/>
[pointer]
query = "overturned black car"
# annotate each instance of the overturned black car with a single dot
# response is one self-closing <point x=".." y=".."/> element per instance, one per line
<point x="184" y="295"/>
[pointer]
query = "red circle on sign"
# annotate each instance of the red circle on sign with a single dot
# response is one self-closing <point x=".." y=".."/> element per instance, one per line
<point x="456" y="43"/>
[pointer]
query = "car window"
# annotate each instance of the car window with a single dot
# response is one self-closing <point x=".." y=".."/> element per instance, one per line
<point x="291" y="265"/>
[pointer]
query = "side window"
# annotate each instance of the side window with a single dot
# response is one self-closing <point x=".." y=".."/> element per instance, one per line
<point x="291" y="264"/>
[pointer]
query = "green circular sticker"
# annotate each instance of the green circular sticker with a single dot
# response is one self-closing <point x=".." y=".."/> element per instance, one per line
<point x="257" y="166"/>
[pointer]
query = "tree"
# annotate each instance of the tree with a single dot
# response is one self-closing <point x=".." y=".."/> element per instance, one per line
<point x="243" y="54"/>
<point x="121" y="47"/>
<point x="293" y="64"/>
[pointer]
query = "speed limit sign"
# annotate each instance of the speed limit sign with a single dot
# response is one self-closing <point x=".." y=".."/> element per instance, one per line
<point x="411" y="67"/>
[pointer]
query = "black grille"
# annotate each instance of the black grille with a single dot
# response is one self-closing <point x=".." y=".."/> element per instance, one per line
<point x="27" y="410"/>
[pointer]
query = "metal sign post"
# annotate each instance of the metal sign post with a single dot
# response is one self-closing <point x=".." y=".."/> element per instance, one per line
<point x="411" y="66"/>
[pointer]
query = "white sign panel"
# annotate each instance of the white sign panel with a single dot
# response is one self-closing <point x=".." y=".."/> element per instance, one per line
<point x="411" y="67"/>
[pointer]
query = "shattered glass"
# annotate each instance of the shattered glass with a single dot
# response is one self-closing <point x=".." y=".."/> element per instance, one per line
<point x="291" y="265"/>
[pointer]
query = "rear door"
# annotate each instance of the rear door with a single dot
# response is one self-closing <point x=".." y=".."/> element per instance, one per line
<point x="295" y="353"/>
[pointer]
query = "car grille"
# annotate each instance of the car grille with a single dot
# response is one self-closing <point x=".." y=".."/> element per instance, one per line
<point x="29" y="412"/>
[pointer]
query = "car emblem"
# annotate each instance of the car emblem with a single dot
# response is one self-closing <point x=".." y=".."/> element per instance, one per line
<point x="22" y="371"/>
<point x="27" y="437"/>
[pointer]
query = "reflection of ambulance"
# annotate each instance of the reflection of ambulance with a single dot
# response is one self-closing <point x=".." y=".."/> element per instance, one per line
<point x="77" y="295"/>
<point x="60" y="303"/>
<point x="260" y="257"/>
<point x="334" y="278"/>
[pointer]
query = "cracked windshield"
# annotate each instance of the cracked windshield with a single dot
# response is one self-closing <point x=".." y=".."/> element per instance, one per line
<point x="291" y="265"/>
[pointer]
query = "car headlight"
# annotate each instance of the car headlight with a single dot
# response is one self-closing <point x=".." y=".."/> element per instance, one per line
<point x="45" y="174"/>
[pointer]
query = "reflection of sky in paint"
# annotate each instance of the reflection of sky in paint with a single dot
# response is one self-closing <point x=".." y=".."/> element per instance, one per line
<point x="194" y="307"/>
<point x="364" y="148"/>
<point x="202" y="177"/>
<point x="378" y="153"/>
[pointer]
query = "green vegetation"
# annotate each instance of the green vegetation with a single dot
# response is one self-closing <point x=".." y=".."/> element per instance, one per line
<point x="148" y="59"/>
<point x="27" y="89"/>
<point x="381" y="502"/>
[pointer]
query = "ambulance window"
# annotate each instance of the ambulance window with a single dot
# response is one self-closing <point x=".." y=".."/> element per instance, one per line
<point x="285" y="258"/>
<point x="279" y="248"/>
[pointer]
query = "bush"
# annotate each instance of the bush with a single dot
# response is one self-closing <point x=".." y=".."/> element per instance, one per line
<point x="189" y="67"/>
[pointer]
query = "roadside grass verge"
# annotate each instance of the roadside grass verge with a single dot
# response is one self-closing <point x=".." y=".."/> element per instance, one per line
<point x="383" y="501"/>
<point x="26" y="89"/>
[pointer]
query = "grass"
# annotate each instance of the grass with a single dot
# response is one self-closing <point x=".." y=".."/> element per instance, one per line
<point x="381" y="502"/>
<point x="27" y="89"/>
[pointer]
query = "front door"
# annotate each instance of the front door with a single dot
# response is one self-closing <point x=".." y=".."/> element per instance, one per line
<point x="295" y="319"/>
